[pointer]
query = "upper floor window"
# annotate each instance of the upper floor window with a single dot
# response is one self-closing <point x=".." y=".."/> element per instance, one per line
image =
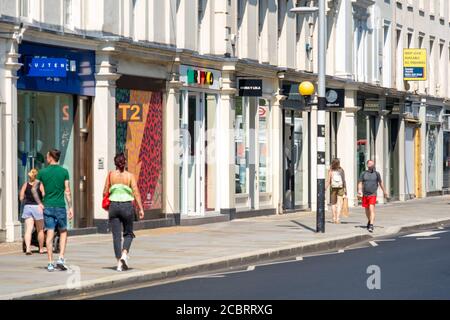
<point x="240" y="11"/>
<point x="68" y="12"/>
<point x="24" y="7"/>
<point x="261" y="15"/>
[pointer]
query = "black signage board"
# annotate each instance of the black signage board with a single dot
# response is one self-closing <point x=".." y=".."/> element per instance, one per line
<point x="335" y="98"/>
<point x="250" y="87"/>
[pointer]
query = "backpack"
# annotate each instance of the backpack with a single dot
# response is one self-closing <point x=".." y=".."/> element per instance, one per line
<point x="336" y="180"/>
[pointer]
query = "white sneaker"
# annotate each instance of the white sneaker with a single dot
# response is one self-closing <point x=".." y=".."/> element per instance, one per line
<point x="124" y="261"/>
<point x="119" y="267"/>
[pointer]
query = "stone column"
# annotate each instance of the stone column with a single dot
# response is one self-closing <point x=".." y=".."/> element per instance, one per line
<point x="401" y="158"/>
<point x="10" y="192"/>
<point x="382" y="166"/>
<point x="171" y="157"/>
<point x="346" y="141"/>
<point x="225" y="153"/>
<point x="423" y="149"/>
<point x="277" y="152"/>
<point x="104" y="127"/>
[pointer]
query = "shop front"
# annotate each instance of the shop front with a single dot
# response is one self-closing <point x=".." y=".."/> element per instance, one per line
<point x="433" y="149"/>
<point x="253" y="111"/>
<point x="394" y="119"/>
<point x="367" y="127"/>
<point x="446" y="153"/>
<point x="198" y="120"/>
<point x="139" y="135"/>
<point x="296" y="154"/>
<point x="412" y="149"/>
<point x="335" y="105"/>
<point x="55" y="90"/>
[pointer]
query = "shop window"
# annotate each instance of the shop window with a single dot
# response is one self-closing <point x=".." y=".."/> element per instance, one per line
<point x="263" y="141"/>
<point x="45" y="122"/>
<point x="240" y="138"/>
<point x="139" y="136"/>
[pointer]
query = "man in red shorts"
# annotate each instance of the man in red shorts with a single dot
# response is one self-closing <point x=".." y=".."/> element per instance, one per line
<point x="367" y="189"/>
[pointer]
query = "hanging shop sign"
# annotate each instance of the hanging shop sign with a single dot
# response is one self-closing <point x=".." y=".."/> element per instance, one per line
<point x="294" y="100"/>
<point x="414" y="64"/>
<point x="198" y="77"/>
<point x="335" y="98"/>
<point x="56" y="69"/>
<point x="398" y="109"/>
<point x="372" y="105"/>
<point x="250" y="87"/>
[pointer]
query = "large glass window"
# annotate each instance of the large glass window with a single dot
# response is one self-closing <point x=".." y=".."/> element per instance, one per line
<point x="240" y="138"/>
<point x="432" y="137"/>
<point x="446" y="160"/>
<point x="210" y="148"/>
<point x="263" y="141"/>
<point x="362" y="149"/>
<point x="298" y="158"/>
<point x="198" y="170"/>
<point x="45" y="121"/>
<point x="139" y="136"/>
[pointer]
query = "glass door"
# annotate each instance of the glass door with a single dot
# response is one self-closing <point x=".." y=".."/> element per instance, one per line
<point x="193" y="167"/>
<point x="45" y="121"/>
<point x="293" y="159"/>
<point x="394" y="161"/>
<point x="432" y="138"/>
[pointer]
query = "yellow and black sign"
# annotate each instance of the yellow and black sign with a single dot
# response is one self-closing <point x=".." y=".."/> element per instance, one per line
<point x="129" y="112"/>
<point x="415" y="64"/>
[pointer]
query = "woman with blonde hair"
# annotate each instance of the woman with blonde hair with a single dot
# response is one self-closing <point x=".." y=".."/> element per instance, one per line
<point x="336" y="179"/>
<point x="31" y="213"/>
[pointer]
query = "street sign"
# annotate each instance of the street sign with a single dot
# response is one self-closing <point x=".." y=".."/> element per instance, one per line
<point x="414" y="64"/>
<point x="262" y="112"/>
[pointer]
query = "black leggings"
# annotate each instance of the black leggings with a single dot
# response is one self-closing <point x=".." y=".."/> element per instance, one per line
<point x="121" y="213"/>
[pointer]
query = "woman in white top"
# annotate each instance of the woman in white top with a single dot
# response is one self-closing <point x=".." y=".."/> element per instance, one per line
<point x="336" y="179"/>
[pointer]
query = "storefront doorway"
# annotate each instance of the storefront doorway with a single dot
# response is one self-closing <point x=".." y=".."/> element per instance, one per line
<point x="394" y="160"/>
<point x="446" y="159"/>
<point x="198" y="174"/>
<point x="50" y="120"/>
<point x="293" y="158"/>
<point x="252" y="150"/>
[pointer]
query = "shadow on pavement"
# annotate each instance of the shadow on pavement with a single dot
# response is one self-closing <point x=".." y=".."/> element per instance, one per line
<point x="303" y="226"/>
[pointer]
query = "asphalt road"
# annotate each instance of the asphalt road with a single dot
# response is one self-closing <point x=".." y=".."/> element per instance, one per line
<point x="414" y="266"/>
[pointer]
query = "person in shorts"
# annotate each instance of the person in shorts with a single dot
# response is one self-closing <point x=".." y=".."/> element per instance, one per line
<point x="31" y="213"/>
<point x="336" y="179"/>
<point x="57" y="193"/>
<point x="369" y="181"/>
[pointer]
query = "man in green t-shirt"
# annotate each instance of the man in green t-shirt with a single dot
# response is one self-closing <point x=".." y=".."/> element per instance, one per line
<point x="57" y="192"/>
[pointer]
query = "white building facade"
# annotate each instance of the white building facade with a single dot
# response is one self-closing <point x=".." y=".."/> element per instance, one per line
<point x="202" y="97"/>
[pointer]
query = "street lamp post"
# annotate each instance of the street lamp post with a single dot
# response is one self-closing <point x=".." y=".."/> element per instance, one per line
<point x="321" y="106"/>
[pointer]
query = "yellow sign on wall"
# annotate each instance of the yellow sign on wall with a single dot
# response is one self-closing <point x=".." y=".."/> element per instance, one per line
<point x="415" y="64"/>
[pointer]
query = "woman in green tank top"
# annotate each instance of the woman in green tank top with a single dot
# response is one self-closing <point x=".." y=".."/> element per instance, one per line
<point x="122" y="188"/>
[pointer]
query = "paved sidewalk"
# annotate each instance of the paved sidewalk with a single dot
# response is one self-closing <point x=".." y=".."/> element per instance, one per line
<point x="170" y="252"/>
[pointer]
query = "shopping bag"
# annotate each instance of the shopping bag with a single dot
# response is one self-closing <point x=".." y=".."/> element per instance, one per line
<point x="344" y="210"/>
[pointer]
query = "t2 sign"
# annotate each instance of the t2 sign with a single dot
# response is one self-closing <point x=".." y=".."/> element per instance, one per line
<point x="130" y="112"/>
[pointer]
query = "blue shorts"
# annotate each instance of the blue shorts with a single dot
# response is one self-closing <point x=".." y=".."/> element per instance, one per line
<point x="55" y="217"/>
<point x="32" y="211"/>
